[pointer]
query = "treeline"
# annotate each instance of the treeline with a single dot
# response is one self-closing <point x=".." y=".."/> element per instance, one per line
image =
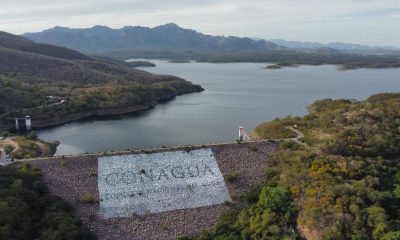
<point x="18" y="97"/>
<point x="282" y="58"/>
<point x="128" y="95"/>
<point x="14" y="95"/>
<point x="346" y="185"/>
<point x="346" y="61"/>
<point x="28" y="211"/>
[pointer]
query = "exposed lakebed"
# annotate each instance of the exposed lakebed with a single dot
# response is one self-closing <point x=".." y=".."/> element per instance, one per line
<point x="236" y="94"/>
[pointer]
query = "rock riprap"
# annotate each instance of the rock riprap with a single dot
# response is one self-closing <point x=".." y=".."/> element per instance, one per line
<point x="152" y="183"/>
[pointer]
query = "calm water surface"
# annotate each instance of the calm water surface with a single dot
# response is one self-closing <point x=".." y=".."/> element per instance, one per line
<point x="237" y="94"/>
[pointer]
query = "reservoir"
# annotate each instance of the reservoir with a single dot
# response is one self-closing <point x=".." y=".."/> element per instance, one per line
<point x="236" y="94"/>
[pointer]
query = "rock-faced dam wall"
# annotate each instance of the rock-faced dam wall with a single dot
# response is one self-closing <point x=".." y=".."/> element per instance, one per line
<point x="164" y="194"/>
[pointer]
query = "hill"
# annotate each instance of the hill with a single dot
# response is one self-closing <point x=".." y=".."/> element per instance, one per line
<point x="35" y="77"/>
<point x="18" y="43"/>
<point x="340" y="46"/>
<point x="341" y="182"/>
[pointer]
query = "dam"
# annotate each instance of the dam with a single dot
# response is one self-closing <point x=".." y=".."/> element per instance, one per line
<point x="162" y="193"/>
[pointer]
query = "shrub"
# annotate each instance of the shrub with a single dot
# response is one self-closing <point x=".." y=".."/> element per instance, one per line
<point x="253" y="148"/>
<point x="292" y="145"/>
<point x="392" y="236"/>
<point x="231" y="177"/>
<point x="188" y="149"/>
<point x="33" y="135"/>
<point x="62" y="162"/>
<point x="27" y="148"/>
<point x="8" y="149"/>
<point x="87" y="198"/>
<point x="228" y="203"/>
<point x="253" y="195"/>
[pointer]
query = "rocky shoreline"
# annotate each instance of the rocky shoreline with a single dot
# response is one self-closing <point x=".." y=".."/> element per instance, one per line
<point x="58" y="120"/>
<point x="98" y="113"/>
<point x="106" y="112"/>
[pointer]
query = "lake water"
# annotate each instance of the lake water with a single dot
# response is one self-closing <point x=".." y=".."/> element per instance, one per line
<point x="237" y="94"/>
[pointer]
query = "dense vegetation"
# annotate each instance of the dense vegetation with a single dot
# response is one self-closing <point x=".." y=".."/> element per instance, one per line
<point x="285" y="59"/>
<point x="32" y="147"/>
<point x="27" y="211"/>
<point x="141" y="64"/>
<point x="15" y="95"/>
<point x="282" y="58"/>
<point x="31" y="72"/>
<point x="346" y="185"/>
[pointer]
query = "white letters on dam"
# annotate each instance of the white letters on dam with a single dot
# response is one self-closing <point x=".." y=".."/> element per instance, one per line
<point x="159" y="182"/>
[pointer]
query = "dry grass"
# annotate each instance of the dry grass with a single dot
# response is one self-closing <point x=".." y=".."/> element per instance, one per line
<point x="272" y="130"/>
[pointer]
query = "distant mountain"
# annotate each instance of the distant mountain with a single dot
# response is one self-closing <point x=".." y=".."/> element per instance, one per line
<point x="169" y="37"/>
<point x="31" y="71"/>
<point x="170" y="40"/>
<point x="341" y="47"/>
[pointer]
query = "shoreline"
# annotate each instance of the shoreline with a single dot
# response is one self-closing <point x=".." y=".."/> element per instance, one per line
<point x="96" y="114"/>
<point x="339" y="66"/>
<point x="93" y="114"/>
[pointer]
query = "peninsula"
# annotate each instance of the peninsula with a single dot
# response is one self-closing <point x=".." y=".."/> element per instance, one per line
<point x="55" y="85"/>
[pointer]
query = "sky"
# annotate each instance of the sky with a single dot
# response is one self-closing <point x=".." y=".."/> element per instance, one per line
<point x="370" y="22"/>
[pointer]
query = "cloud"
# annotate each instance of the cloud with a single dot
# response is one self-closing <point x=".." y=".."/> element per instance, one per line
<point x="307" y="20"/>
<point x="375" y="13"/>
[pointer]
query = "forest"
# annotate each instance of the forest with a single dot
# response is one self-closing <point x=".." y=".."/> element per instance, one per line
<point x="29" y="212"/>
<point x="344" y="185"/>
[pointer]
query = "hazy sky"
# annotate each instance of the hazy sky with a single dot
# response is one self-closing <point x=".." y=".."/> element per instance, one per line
<point x="372" y="22"/>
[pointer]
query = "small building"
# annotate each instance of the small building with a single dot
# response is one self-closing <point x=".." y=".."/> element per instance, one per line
<point x="22" y="124"/>
<point x="243" y="135"/>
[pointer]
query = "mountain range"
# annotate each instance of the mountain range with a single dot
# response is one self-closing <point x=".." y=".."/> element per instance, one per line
<point x="136" y="40"/>
<point x="340" y="46"/>
<point x="169" y="37"/>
